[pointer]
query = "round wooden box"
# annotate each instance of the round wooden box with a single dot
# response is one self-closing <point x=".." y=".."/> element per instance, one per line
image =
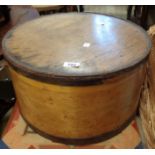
<point x="77" y="76"/>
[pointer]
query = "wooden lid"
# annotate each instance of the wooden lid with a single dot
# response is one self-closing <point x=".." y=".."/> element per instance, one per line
<point x="62" y="48"/>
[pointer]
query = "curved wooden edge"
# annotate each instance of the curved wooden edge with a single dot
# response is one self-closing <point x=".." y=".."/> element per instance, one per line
<point x="70" y="80"/>
<point x="73" y="80"/>
<point x="84" y="141"/>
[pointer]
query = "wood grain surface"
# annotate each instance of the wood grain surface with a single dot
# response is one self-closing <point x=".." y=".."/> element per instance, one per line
<point x="100" y="44"/>
<point x="79" y="112"/>
<point x="72" y="48"/>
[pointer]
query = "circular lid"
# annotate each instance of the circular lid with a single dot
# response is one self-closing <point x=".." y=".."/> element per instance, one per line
<point x="75" y="48"/>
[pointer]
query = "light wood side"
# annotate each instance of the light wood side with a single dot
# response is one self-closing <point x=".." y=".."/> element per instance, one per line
<point x="79" y="111"/>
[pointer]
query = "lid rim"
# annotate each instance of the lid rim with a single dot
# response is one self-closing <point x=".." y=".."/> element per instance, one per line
<point x="74" y="80"/>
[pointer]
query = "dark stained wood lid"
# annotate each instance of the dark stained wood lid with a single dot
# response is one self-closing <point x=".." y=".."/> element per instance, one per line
<point x="74" y="47"/>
